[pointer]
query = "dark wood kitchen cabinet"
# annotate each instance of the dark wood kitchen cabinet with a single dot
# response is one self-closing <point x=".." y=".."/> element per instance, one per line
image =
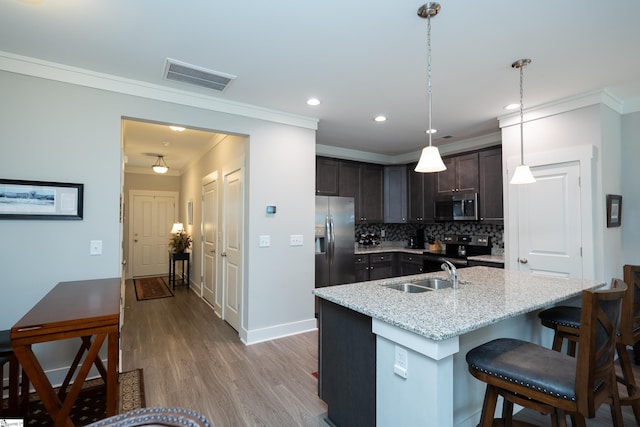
<point x="420" y="207"/>
<point x="395" y="194"/>
<point x="410" y="264"/>
<point x="491" y="205"/>
<point x="374" y="266"/>
<point x="327" y="176"/>
<point x="461" y="175"/>
<point x="346" y="365"/>
<point x="364" y="182"/>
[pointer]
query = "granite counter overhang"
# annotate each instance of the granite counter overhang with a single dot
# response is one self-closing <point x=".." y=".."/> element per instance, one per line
<point x="486" y="295"/>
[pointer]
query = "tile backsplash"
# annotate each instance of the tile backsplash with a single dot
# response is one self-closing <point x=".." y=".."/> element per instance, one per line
<point x="402" y="232"/>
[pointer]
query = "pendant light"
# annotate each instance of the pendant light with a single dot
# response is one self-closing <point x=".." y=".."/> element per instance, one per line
<point x="522" y="174"/>
<point x="160" y="166"/>
<point x="430" y="160"/>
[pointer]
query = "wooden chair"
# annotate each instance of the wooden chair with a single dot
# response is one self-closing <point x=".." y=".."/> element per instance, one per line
<point x="545" y="380"/>
<point x="632" y="328"/>
<point x="18" y="396"/>
<point x="565" y="321"/>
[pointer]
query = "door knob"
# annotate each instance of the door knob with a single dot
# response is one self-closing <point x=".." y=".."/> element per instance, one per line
<point x="136" y="240"/>
<point x="523" y="260"/>
<point x="223" y="254"/>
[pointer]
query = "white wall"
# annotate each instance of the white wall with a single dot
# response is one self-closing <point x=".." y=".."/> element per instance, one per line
<point x="55" y="131"/>
<point x="631" y="188"/>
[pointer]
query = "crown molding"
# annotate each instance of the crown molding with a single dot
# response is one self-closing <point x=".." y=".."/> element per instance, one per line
<point x="77" y="76"/>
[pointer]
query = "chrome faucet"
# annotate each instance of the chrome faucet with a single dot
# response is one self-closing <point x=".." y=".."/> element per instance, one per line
<point x="451" y="271"/>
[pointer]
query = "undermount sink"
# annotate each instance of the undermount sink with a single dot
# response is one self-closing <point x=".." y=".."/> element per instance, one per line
<point x="424" y="285"/>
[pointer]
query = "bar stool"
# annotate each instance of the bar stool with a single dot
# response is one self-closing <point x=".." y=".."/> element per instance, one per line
<point x="18" y="400"/>
<point x="565" y="321"/>
<point x="545" y="380"/>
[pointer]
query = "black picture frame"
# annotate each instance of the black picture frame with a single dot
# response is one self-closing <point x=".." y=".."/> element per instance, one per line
<point x="40" y="200"/>
<point x="614" y="210"/>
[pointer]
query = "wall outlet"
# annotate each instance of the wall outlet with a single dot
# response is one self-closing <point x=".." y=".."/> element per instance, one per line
<point x="401" y="364"/>
<point x="295" y="240"/>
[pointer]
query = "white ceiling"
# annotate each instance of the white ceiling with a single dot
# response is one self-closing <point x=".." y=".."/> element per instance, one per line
<point x="361" y="58"/>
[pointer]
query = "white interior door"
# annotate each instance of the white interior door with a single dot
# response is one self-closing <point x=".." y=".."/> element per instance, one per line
<point x="232" y="212"/>
<point x="549" y="221"/>
<point x="211" y="289"/>
<point x="151" y="220"/>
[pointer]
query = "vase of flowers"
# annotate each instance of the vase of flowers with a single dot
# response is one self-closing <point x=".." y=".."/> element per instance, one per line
<point x="180" y="242"/>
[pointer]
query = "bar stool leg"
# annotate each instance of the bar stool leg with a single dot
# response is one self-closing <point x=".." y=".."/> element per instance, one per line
<point x="628" y="379"/>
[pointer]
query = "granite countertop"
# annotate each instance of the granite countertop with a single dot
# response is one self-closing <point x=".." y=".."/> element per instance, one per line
<point x="486" y="295"/>
<point x="365" y="250"/>
<point x="499" y="259"/>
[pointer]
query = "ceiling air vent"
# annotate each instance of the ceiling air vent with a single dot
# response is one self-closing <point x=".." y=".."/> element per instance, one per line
<point x="198" y="76"/>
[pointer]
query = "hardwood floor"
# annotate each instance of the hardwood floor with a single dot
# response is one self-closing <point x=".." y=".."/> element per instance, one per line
<point x="192" y="359"/>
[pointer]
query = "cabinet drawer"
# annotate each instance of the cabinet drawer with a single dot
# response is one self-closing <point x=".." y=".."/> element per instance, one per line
<point x="411" y="258"/>
<point x="381" y="258"/>
<point x="362" y="259"/>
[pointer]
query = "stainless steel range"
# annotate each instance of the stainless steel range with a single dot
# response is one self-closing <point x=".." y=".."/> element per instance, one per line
<point x="459" y="247"/>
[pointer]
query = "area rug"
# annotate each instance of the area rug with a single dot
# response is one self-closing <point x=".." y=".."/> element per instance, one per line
<point x="151" y="288"/>
<point x="90" y="405"/>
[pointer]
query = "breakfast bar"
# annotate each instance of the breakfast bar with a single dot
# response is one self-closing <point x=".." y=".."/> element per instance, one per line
<point x="411" y="346"/>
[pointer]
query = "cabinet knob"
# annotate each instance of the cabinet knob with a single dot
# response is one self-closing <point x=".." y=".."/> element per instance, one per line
<point x="523" y="260"/>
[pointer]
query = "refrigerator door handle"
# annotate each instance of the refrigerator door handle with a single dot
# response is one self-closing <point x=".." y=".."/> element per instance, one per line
<point x="332" y="240"/>
<point x="327" y="238"/>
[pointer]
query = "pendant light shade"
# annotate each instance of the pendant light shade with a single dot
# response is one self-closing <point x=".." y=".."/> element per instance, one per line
<point x="430" y="160"/>
<point x="522" y="174"/>
<point x="160" y="166"/>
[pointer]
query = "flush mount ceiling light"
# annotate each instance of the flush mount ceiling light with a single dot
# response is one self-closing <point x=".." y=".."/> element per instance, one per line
<point x="177" y="128"/>
<point x="313" y="101"/>
<point x="522" y="174"/>
<point x="160" y="166"/>
<point x="380" y="119"/>
<point x="430" y="160"/>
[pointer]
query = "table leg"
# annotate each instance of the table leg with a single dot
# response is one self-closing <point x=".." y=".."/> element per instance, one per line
<point x="112" y="374"/>
<point x="86" y="345"/>
<point x="40" y="382"/>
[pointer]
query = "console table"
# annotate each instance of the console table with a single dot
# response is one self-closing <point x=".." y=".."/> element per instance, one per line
<point x="179" y="256"/>
<point x="85" y="309"/>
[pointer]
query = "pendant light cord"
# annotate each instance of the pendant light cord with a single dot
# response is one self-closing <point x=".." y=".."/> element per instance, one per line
<point x="430" y="95"/>
<point x="521" y="117"/>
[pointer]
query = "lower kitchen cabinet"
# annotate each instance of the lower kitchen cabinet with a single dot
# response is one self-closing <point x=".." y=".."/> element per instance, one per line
<point x="346" y="365"/>
<point x="374" y="266"/>
<point x="410" y="264"/>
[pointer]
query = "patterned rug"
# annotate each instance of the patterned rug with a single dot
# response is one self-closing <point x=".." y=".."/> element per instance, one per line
<point x="90" y="405"/>
<point x="151" y="288"/>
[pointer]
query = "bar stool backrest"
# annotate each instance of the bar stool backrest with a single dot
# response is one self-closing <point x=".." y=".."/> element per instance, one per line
<point x="630" y="322"/>
<point x="599" y="323"/>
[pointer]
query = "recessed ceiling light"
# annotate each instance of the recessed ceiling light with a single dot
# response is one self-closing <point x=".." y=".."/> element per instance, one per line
<point x="511" y="106"/>
<point x="380" y="119"/>
<point x="431" y="131"/>
<point x="176" y="128"/>
<point x="313" y="101"/>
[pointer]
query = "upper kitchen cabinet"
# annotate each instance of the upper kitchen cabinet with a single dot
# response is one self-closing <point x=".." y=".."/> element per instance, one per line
<point x="363" y="182"/>
<point x="420" y="195"/>
<point x="461" y="175"/>
<point x="327" y="176"/>
<point x="395" y="194"/>
<point x="490" y="195"/>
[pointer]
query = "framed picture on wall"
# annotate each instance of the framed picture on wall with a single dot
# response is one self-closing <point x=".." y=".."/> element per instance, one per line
<point x="40" y="200"/>
<point x="614" y="210"/>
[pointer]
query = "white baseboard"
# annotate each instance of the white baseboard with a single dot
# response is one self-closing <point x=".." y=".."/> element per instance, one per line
<point x="278" y="331"/>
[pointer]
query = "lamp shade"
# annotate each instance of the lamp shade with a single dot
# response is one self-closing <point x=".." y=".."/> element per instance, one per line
<point x="522" y="175"/>
<point x="177" y="228"/>
<point x="160" y="166"/>
<point x="430" y="160"/>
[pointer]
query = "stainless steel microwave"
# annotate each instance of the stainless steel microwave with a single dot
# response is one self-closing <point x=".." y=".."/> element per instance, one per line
<point x="457" y="207"/>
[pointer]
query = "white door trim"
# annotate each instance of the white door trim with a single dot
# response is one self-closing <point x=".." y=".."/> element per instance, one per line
<point x="585" y="155"/>
<point x="132" y="195"/>
<point x="206" y="180"/>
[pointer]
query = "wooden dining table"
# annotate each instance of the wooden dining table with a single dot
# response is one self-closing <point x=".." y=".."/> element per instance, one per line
<point x="88" y="310"/>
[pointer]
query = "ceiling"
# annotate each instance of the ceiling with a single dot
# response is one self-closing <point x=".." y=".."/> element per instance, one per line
<point x="361" y="58"/>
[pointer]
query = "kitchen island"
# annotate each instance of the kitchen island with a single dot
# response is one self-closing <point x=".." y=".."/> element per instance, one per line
<point x="411" y="360"/>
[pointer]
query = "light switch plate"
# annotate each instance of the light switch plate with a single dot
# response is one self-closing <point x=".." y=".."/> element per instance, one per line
<point x="95" y="247"/>
<point x="265" y="241"/>
<point x="295" y="240"/>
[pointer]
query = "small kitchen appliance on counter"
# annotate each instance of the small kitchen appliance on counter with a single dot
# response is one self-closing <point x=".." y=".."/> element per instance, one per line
<point x="457" y="250"/>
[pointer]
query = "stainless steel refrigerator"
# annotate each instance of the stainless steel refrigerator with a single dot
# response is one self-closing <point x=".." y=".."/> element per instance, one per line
<point x="334" y="242"/>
